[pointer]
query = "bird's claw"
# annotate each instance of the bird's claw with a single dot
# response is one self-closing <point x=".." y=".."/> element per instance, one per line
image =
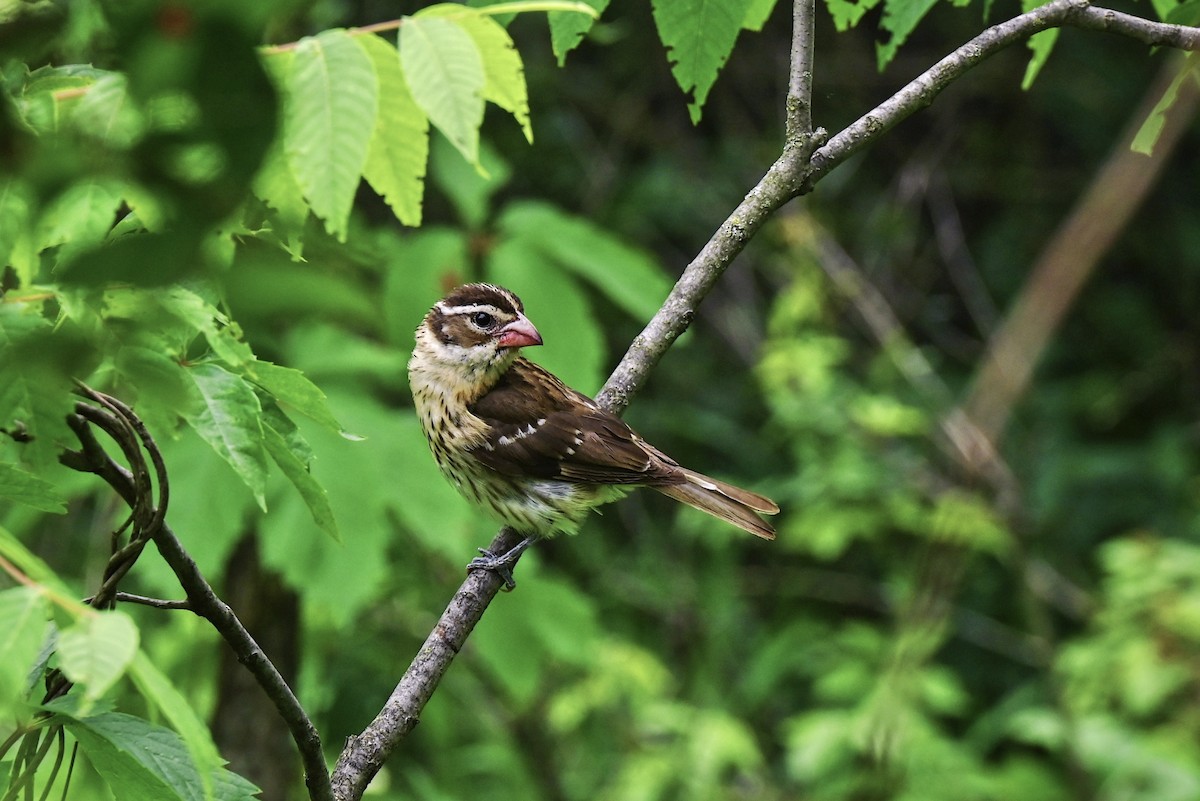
<point x="500" y="565"/>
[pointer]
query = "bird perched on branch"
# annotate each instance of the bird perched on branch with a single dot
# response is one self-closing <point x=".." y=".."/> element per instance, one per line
<point x="532" y="452"/>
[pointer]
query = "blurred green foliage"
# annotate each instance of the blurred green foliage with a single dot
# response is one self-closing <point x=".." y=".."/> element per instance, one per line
<point x="174" y="234"/>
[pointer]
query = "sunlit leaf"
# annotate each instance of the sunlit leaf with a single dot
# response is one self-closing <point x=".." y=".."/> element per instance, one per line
<point x="400" y="143"/>
<point x="97" y="650"/>
<point x="23" y="627"/>
<point x="332" y="106"/>
<point x="445" y="72"/>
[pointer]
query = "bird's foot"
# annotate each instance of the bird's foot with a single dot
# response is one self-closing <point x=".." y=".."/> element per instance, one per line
<point x="501" y="564"/>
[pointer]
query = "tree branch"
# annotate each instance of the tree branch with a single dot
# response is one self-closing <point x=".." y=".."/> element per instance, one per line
<point x="201" y="599"/>
<point x="806" y="157"/>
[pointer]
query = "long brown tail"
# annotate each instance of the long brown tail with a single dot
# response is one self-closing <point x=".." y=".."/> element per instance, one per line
<point x="731" y="504"/>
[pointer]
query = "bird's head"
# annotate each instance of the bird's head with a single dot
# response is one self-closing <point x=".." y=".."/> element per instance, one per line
<point x="477" y="328"/>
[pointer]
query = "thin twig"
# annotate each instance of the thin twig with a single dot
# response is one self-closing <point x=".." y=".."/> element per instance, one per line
<point x="204" y="602"/>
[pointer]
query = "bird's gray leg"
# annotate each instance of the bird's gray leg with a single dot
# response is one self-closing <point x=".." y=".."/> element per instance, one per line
<point x="502" y="565"/>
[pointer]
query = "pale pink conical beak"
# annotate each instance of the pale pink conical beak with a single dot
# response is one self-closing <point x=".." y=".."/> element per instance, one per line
<point x="520" y="333"/>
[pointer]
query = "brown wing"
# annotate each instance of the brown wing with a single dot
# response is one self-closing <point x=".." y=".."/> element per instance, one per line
<point x="539" y="427"/>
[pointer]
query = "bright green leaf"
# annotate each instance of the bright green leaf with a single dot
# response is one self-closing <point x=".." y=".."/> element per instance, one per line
<point x="21" y="487"/>
<point x="567" y="28"/>
<point x="331" y="110"/>
<point x="228" y="419"/>
<point x="445" y="72"/>
<point x="847" y="13"/>
<point x="502" y="68"/>
<point x="16" y="210"/>
<point x="97" y="649"/>
<point x="900" y="18"/>
<point x="79" y="217"/>
<point x="400" y="143"/>
<point x="699" y="36"/>
<point x="23" y="626"/>
<point x="1041" y="44"/>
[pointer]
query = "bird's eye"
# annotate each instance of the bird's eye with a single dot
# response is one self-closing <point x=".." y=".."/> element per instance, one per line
<point x="482" y="319"/>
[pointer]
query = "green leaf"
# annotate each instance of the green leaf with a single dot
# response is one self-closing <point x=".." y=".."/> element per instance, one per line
<point x="106" y="112"/>
<point x="900" y="17"/>
<point x="79" y="217"/>
<point x="293" y="389"/>
<point x="1148" y="133"/>
<point x="629" y="277"/>
<point x="567" y="28"/>
<point x="294" y="464"/>
<point x="847" y="13"/>
<point x="16" y="246"/>
<point x="503" y="71"/>
<point x="445" y="72"/>
<point x="400" y="143"/>
<point x="229" y="419"/>
<point x="97" y="649"/>
<point x="36" y="366"/>
<point x="143" y="762"/>
<point x="156" y="688"/>
<point x="699" y="36"/>
<point x="757" y="14"/>
<point x="22" y="487"/>
<point x="331" y="110"/>
<point x="1041" y="44"/>
<point x="23" y="625"/>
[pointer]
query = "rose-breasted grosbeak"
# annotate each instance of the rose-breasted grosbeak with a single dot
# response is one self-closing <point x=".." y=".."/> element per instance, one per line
<point x="529" y="450"/>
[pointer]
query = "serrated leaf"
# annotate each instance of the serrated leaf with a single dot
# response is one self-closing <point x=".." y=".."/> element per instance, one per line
<point x="156" y="688"/>
<point x="445" y="72"/>
<point x="296" y="468"/>
<point x="143" y="762"/>
<point x="846" y="14"/>
<point x="294" y="389"/>
<point x="399" y="147"/>
<point x="331" y="110"/>
<point x="1041" y="44"/>
<point x="900" y="17"/>
<point x="699" y="36"/>
<point x="504" y="73"/>
<point x="567" y="28"/>
<point x="228" y="419"/>
<point x="757" y="14"/>
<point x="97" y="649"/>
<point x="23" y="625"/>
<point x="629" y="277"/>
<point x="22" y="487"/>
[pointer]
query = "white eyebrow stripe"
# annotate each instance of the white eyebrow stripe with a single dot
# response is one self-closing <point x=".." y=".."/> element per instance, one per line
<point x="474" y="307"/>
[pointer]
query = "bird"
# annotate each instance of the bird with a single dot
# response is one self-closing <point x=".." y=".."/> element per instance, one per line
<point x="528" y="450"/>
